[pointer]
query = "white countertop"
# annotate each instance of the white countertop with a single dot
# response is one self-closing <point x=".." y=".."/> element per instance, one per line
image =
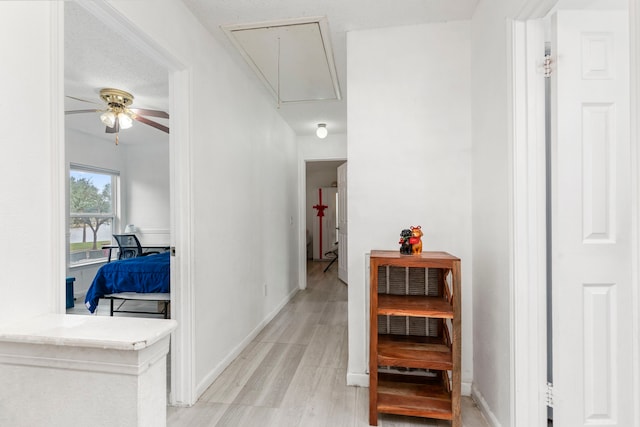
<point x="116" y="333"/>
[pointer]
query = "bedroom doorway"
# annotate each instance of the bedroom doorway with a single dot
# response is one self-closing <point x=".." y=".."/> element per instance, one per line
<point x="118" y="183"/>
<point x="171" y="224"/>
<point x="325" y="215"/>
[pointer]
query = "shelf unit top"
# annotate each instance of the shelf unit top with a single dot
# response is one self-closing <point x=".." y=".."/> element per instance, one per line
<point x="435" y="259"/>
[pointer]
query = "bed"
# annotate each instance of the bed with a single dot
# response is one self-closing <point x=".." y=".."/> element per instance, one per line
<point x="142" y="278"/>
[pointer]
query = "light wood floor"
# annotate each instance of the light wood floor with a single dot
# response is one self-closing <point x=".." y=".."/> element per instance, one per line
<point x="294" y="373"/>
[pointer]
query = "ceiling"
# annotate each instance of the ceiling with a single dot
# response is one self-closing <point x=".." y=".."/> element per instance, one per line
<point x="97" y="57"/>
<point x="293" y="58"/>
<point x="342" y="16"/>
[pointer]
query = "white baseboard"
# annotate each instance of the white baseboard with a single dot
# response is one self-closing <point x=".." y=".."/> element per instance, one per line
<point x="465" y="389"/>
<point x="216" y="371"/>
<point x="484" y="407"/>
<point x="357" y="380"/>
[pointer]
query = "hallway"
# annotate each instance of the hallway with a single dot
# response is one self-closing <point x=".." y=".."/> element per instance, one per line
<point x="294" y="372"/>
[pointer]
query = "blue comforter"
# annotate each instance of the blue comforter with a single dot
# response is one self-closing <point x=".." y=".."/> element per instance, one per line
<point x="147" y="274"/>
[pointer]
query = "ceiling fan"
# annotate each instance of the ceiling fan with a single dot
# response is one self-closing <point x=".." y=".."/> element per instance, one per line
<point x="117" y="115"/>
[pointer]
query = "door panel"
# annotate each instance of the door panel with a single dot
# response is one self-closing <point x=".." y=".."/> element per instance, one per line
<point x="591" y="250"/>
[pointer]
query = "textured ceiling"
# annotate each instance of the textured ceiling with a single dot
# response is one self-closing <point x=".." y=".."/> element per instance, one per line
<point x="293" y="58"/>
<point x="343" y="16"/>
<point x="96" y="56"/>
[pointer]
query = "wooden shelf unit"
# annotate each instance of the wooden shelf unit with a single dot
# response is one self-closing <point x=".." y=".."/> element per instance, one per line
<point x="415" y="342"/>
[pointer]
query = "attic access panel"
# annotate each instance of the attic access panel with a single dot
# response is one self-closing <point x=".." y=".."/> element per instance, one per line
<point x="293" y="58"/>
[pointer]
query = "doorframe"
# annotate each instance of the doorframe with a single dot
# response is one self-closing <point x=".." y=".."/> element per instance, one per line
<point x="183" y="390"/>
<point x="57" y="300"/>
<point x="528" y="294"/>
<point x="528" y="311"/>
<point x="634" y="61"/>
<point x="302" y="213"/>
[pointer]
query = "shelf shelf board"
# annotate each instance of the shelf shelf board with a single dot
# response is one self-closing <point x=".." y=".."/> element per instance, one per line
<point x="414" y="352"/>
<point x="414" y="396"/>
<point x="414" y="306"/>
<point x="424" y="259"/>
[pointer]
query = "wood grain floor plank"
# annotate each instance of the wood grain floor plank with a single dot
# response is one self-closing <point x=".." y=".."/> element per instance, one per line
<point x="294" y="328"/>
<point x="246" y="416"/>
<point x="227" y="386"/>
<point x="203" y="414"/>
<point x="327" y="347"/>
<point x="331" y="402"/>
<point x="270" y="381"/>
<point x="335" y="314"/>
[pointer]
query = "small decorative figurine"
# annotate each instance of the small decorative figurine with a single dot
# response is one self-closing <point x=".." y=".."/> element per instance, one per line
<point x="411" y="240"/>
<point x="405" y="247"/>
<point x="416" y="240"/>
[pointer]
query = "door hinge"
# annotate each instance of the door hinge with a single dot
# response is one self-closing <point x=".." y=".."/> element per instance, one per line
<point x="547" y="66"/>
<point x="549" y="395"/>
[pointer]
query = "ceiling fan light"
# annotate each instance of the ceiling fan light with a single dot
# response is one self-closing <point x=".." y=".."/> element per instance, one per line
<point x="108" y="118"/>
<point x="322" y="132"/>
<point x="125" y="120"/>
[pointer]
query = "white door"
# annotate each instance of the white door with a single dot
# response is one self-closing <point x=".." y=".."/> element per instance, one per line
<point x="591" y="220"/>
<point x="342" y="222"/>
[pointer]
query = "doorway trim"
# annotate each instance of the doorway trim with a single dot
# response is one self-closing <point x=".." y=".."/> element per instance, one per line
<point x="528" y="295"/>
<point x="634" y="60"/>
<point x="183" y="390"/>
<point x="302" y="212"/>
<point x="58" y="201"/>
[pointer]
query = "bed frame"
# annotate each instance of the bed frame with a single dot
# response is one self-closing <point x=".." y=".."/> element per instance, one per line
<point x="163" y="300"/>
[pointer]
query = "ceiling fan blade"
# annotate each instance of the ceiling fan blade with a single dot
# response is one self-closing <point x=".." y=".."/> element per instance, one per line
<point x="83" y="100"/>
<point x="152" y="113"/>
<point x="151" y="123"/>
<point x="82" y="111"/>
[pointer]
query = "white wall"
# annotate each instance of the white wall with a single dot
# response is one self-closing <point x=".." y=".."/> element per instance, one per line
<point x="90" y="150"/>
<point x="244" y="174"/>
<point x="492" y="245"/>
<point x="333" y="147"/>
<point x="146" y="201"/>
<point x="409" y="157"/>
<point x="27" y="280"/>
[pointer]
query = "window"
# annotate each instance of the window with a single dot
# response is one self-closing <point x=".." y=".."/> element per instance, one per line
<point x="92" y="207"/>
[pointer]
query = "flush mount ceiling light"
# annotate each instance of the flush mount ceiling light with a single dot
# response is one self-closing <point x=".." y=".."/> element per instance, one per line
<point x="322" y="131"/>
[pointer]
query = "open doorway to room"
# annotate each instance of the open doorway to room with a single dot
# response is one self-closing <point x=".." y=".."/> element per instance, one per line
<point x="118" y="176"/>
<point x="325" y="219"/>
